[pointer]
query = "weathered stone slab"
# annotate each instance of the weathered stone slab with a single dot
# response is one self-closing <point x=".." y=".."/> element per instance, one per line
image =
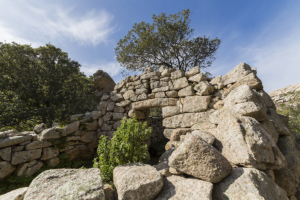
<point x="177" y="187"/>
<point x="169" y="111"/>
<point x="204" y="88"/>
<point x="196" y="103"/>
<point x="5" y="153"/>
<point x="150" y="75"/>
<point x="129" y="94"/>
<point x="137" y="181"/>
<point x="197" y="78"/>
<point x="192" y="72"/>
<point x="92" y="126"/>
<point x="199" y="159"/>
<point x="33" y="169"/>
<point x="49" y="152"/>
<point x="52" y="162"/>
<point x="89" y="137"/>
<point x="6" y="169"/>
<point x="151" y="103"/>
<point x="17" y="194"/>
<point x="177" y="74"/>
<point x="67" y="184"/>
<point x="10" y="141"/>
<point x="116" y="97"/>
<point x="39" y="128"/>
<point x="118" y="116"/>
<point x="80" y="151"/>
<point x="38" y="145"/>
<point x="24" y="156"/>
<point x="161" y="89"/>
<point x="249" y="184"/>
<point x="70" y="128"/>
<point x="103" y="105"/>
<point x="180" y="83"/>
<point x="188" y="91"/>
<point x="175" y="136"/>
<point x="240" y="71"/>
<point x="138" y="114"/>
<point x="206" y="136"/>
<point x="50" y="133"/>
<point x="172" y="94"/>
<point x="160" y="95"/>
<point x="185" y="120"/>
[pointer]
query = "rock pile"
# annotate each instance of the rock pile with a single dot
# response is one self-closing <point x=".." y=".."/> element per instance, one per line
<point x="286" y="95"/>
<point x="226" y="139"/>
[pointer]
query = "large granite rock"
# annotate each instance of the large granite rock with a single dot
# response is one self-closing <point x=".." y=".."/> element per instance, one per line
<point x="137" y="181"/>
<point x="199" y="159"/>
<point x="82" y="184"/>
<point x="17" y="194"/>
<point x="103" y="82"/>
<point x="248" y="184"/>
<point x="180" y="188"/>
<point x="185" y="120"/>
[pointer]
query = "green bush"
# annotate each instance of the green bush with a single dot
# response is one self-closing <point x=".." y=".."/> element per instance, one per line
<point x="126" y="146"/>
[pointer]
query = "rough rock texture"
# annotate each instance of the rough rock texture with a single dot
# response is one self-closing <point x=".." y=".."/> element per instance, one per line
<point x="67" y="184"/>
<point x="286" y="94"/>
<point x="137" y="181"/>
<point x="24" y="156"/>
<point x="17" y="194"/>
<point x="196" y="103"/>
<point x="199" y="159"/>
<point x="180" y="188"/>
<point x="6" y="169"/>
<point x="9" y="141"/>
<point x="248" y="184"/>
<point x="185" y="120"/>
<point x="103" y="82"/>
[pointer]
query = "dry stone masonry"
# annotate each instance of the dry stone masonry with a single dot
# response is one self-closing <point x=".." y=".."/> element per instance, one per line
<point x="226" y="140"/>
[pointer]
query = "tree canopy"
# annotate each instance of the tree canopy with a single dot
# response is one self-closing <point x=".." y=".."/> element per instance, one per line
<point x="167" y="41"/>
<point x="41" y="85"/>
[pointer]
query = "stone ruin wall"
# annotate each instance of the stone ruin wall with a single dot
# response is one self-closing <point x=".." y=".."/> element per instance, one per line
<point x="230" y="112"/>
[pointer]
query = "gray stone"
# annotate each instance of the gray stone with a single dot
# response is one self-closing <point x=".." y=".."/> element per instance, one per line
<point x="6" y="169"/>
<point x="192" y="72"/>
<point x="24" y="156"/>
<point x="5" y="153"/>
<point x="172" y="94"/>
<point x="249" y="184"/>
<point x="137" y="181"/>
<point x="196" y="103"/>
<point x="52" y="162"/>
<point x="168" y="132"/>
<point x="119" y="109"/>
<point x="88" y="137"/>
<point x="118" y="116"/>
<point x="164" y="84"/>
<point x="142" y="97"/>
<point x="185" y="120"/>
<point x="134" y="78"/>
<point x="177" y="187"/>
<point x="107" y="116"/>
<point x="38" y="145"/>
<point x="10" y="141"/>
<point x="160" y="95"/>
<point x="2" y="135"/>
<point x="106" y="127"/>
<point x="116" y="98"/>
<point x="236" y="73"/>
<point x="105" y="97"/>
<point x="267" y="99"/>
<point x="72" y="138"/>
<point x="103" y="105"/>
<point x="110" y="106"/>
<point x="149" y="75"/>
<point x="142" y="91"/>
<point x="206" y="136"/>
<point x="151" y="103"/>
<point x="161" y="89"/>
<point x="204" y="88"/>
<point x="80" y="151"/>
<point x="50" y="133"/>
<point x="21" y="168"/>
<point x="129" y="94"/>
<point x="67" y="184"/>
<point x="92" y="126"/>
<point x="177" y="74"/>
<point x="180" y="83"/>
<point x="197" y="78"/>
<point x="79" y="133"/>
<point x="17" y="148"/>
<point x="109" y="192"/>
<point x="188" y="91"/>
<point x="165" y="156"/>
<point x="163" y="169"/>
<point x="176" y="134"/>
<point x="199" y="159"/>
<point x="167" y="72"/>
<point x="70" y="128"/>
<point x="39" y="128"/>
<point x="117" y="124"/>
<point x="154" y="84"/>
<point x="119" y="85"/>
<point x="218" y="82"/>
<point x="169" y="111"/>
<point x="33" y="169"/>
<point x="134" y="98"/>
<point x="49" y="152"/>
<point x="138" y="114"/>
<point x="17" y="194"/>
<point x="24" y="143"/>
<point x="151" y="96"/>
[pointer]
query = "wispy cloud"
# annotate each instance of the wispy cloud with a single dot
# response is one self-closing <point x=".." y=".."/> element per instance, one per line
<point x="274" y="51"/>
<point x="31" y="21"/>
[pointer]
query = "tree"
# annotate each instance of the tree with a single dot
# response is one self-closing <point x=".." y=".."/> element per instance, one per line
<point x="167" y="41"/>
<point x="126" y="146"/>
<point x="41" y="84"/>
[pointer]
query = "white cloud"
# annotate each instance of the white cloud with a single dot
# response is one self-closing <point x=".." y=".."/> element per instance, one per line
<point x="33" y="21"/>
<point x="274" y="51"/>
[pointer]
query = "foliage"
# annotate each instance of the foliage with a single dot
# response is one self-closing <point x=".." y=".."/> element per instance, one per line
<point x="167" y="41"/>
<point x="126" y="146"/>
<point x="14" y="182"/>
<point x="40" y="85"/>
<point x="156" y="112"/>
<point x="292" y="110"/>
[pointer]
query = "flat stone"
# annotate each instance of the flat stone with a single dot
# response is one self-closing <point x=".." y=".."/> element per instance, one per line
<point x="49" y="152"/>
<point x="168" y="132"/>
<point x="119" y="85"/>
<point x="117" y="124"/>
<point x="172" y="94"/>
<point x="110" y="106"/>
<point x="72" y="138"/>
<point x="185" y="120"/>
<point x="137" y="181"/>
<point x="142" y="97"/>
<point x="142" y="91"/>
<point x="50" y="133"/>
<point x="39" y="128"/>
<point x="196" y="103"/>
<point x="160" y="95"/>
<point x="67" y="184"/>
<point x="175" y="135"/>
<point x="17" y="194"/>
<point x="169" y="111"/>
<point x="107" y="116"/>
<point x="177" y="187"/>
<point x="24" y="156"/>
<point x="206" y="136"/>
<point x="151" y="103"/>
<point x="38" y="145"/>
<point x="154" y="84"/>
<point x="5" y="153"/>
<point x="192" y="72"/>
<point x="177" y="74"/>
<point x="79" y="133"/>
<point x="199" y="159"/>
<point x="33" y="169"/>
<point x="92" y="126"/>
<point x="180" y="83"/>
<point x="240" y="71"/>
<point x="116" y="98"/>
<point x="96" y="114"/>
<point x="106" y="127"/>
<point x="17" y="148"/>
<point x="150" y="75"/>
<point x="103" y="105"/>
<point x="89" y="137"/>
<point x="6" y="169"/>
<point x="161" y="89"/>
<point x="129" y="94"/>
<point x="70" y="128"/>
<point x="197" y="78"/>
<point x="52" y="162"/>
<point x="204" y="88"/>
<point x="118" y="116"/>
<point x="218" y="82"/>
<point x="188" y="91"/>
<point x="119" y="109"/>
<point x="248" y="183"/>
<point x="10" y="141"/>
<point x="2" y="135"/>
<point x="80" y="151"/>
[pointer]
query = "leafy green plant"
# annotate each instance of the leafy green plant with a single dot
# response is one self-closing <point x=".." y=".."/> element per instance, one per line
<point x="126" y="146"/>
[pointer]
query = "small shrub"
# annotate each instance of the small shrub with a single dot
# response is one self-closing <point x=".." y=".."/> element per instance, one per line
<point x="126" y="146"/>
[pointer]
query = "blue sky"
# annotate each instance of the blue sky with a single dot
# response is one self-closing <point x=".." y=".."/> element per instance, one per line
<point x="263" y="33"/>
